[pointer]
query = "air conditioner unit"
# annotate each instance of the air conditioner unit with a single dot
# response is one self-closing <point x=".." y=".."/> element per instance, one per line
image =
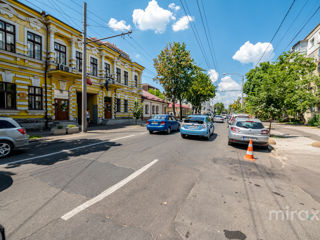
<point x="66" y="69"/>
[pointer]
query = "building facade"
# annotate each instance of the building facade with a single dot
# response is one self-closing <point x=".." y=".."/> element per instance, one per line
<point x="41" y="71"/>
<point x="152" y="105"/>
<point x="310" y="47"/>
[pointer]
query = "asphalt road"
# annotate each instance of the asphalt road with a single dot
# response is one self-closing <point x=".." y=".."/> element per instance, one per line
<point x="129" y="185"/>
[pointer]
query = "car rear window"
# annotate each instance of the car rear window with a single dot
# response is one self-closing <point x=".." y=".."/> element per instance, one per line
<point x="161" y="117"/>
<point x="250" y="124"/>
<point x="5" y="124"/>
<point x="218" y="116"/>
<point x="198" y="120"/>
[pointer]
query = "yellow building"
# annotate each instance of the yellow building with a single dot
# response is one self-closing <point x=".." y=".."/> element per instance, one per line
<point x="40" y="71"/>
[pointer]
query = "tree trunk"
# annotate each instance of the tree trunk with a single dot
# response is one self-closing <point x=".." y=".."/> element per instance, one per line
<point x="180" y="102"/>
<point x="174" y="107"/>
<point x="270" y="121"/>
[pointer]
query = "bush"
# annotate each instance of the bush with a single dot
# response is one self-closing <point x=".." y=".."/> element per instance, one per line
<point x="59" y="126"/>
<point x="71" y="126"/>
<point x="314" y="121"/>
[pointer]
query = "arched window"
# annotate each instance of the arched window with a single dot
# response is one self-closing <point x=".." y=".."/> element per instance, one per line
<point x="152" y="109"/>
<point x="157" y="109"/>
<point x="146" y="109"/>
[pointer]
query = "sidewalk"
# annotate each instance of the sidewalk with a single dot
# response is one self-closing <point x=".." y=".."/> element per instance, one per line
<point x="46" y="135"/>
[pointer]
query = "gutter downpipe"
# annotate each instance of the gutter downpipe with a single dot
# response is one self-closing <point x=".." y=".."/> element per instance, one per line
<point x="46" y="71"/>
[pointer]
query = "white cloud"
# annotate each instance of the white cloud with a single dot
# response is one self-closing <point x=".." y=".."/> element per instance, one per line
<point x="227" y="84"/>
<point x="226" y="98"/>
<point x="118" y="25"/>
<point x="152" y="18"/>
<point x="251" y="53"/>
<point x="182" y="23"/>
<point x="173" y="6"/>
<point x="138" y="55"/>
<point x="213" y="75"/>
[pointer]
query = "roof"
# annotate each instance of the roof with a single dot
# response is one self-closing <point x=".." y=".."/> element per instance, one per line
<point x="178" y="106"/>
<point x="152" y="97"/>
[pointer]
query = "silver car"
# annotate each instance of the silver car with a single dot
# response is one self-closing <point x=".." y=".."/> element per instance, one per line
<point x="218" y="118"/>
<point x="243" y="129"/>
<point x="12" y="135"/>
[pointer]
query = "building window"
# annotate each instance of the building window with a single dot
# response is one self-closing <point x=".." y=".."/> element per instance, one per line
<point x="125" y="105"/>
<point x="79" y="61"/>
<point x="153" y="110"/>
<point x="34" y="46"/>
<point x="136" y="80"/>
<point x="107" y="67"/>
<point x="146" y="109"/>
<point x="118" y="105"/>
<point x="125" y="77"/>
<point x="157" y="109"/>
<point x="119" y="75"/>
<point x="312" y="42"/>
<point x="61" y="53"/>
<point x="94" y="66"/>
<point x="7" y="37"/>
<point x="35" y="98"/>
<point x="7" y="95"/>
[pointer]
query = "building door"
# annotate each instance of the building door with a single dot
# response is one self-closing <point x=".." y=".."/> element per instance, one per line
<point x="61" y="109"/>
<point x="108" y="107"/>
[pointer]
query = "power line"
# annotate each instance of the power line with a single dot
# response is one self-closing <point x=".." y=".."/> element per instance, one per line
<point x="206" y="34"/>
<point x="292" y="23"/>
<point x="274" y="35"/>
<point x="195" y="35"/>
<point x="309" y="19"/>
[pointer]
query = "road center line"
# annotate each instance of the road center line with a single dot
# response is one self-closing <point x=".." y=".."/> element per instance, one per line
<point x="68" y="151"/>
<point x="107" y="192"/>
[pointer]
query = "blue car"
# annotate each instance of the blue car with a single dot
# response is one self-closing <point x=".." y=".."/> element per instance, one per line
<point x="197" y="125"/>
<point x="163" y="123"/>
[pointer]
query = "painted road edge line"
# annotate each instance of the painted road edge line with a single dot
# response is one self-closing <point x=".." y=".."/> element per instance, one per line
<point x="65" y="150"/>
<point x="107" y="192"/>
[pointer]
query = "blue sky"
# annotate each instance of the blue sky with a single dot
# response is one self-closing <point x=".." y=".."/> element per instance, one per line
<point x="240" y="29"/>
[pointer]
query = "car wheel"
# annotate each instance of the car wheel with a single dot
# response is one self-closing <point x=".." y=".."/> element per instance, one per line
<point x="229" y="142"/>
<point x="178" y="129"/>
<point x="208" y="136"/>
<point x="5" y="148"/>
<point x="168" y="130"/>
<point x="150" y="131"/>
<point x="183" y="136"/>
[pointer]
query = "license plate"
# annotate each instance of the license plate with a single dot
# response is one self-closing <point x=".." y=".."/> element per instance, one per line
<point x="248" y="138"/>
<point x="154" y="123"/>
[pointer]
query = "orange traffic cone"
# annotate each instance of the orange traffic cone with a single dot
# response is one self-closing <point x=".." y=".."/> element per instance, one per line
<point x="249" y="155"/>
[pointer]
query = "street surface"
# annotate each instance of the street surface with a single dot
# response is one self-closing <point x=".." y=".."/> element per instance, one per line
<point x="131" y="185"/>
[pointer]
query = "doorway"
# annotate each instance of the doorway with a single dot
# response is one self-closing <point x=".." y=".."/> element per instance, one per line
<point x="108" y="107"/>
<point x="61" y="109"/>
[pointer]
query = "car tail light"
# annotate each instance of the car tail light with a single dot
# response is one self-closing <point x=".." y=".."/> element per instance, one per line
<point x="22" y="131"/>
<point x="235" y="129"/>
<point x="148" y="122"/>
<point x="162" y="123"/>
<point x="264" y="132"/>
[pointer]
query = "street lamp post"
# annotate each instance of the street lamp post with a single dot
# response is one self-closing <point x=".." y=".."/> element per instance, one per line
<point x="242" y="83"/>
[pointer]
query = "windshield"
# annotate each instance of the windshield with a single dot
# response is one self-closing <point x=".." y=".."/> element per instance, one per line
<point x="161" y="117"/>
<point x="218" y="116"/>
<point x="250" y="124"/>
<point x="198" y="120"/>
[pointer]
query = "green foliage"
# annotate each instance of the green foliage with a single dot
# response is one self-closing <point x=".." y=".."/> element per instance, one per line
<point x="157" y="93"/>
<point x="284" y="88"/>
<point x="235" y="107"/>
<point x="137" y="110"/>
<point x="219" y="108"/>
<point x="314" y="121"/>
<point x="71" y="126"/>
<point x="200" y="91"/>
<point x="175" y="69"/>
<point x="34" y="137"/>
<point x="59" y="126"/>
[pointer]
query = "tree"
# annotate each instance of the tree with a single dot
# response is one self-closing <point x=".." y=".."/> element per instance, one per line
<point x="282" y="87"/>
<point x="175" y="69"/>
<point x="157" y="93"/>
<point x="219" y="108"/>
<point x="137" y="110"/>
<point x="201" y="90"/>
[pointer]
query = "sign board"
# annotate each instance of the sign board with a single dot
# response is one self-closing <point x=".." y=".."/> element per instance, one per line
<point x="61" y="94"/>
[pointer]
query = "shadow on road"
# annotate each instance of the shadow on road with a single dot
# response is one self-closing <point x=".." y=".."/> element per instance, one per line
<point x="56" y="151"/>
<point x="5" y="180"/>
<point x="200" y="138"/>
<point x="255" y="147"/>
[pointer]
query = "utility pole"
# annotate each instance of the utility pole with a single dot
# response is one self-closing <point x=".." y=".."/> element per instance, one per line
<point x="84" y="71"/>
<point x="242" y="82"/>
